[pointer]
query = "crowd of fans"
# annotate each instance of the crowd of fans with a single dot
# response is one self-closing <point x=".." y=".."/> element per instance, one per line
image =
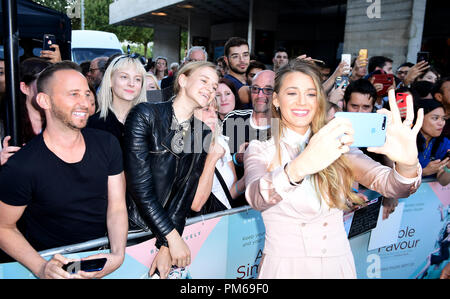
<point x="149" y="167"/>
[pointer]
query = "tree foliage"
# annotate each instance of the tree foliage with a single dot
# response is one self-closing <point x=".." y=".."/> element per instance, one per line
<point x="96" y="17"/>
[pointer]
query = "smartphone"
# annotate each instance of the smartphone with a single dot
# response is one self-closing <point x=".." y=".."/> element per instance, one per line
<point x="348" y="59"/>
<point x="85" y="265"/>
<point x="423" y="56"/>
<point x="401" y="103"/>
<point x="447" y="155"/>
<point x="363" y="54"/>
<point x="341" y="81"/>
<point x="49" y="39"/>
<point x="370" y="128"/>
<point x="386" y="79"/>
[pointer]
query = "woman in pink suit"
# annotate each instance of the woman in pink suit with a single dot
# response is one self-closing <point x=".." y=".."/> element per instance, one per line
<point x="301" y="179"/>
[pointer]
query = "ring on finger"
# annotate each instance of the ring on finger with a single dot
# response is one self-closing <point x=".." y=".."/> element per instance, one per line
<point x="408" y="122"/>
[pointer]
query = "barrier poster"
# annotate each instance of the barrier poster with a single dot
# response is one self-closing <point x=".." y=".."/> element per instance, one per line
<point x="231" y="246"/>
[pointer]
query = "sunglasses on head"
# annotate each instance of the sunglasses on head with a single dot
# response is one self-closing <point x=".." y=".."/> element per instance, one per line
<point x="132" y="56"/>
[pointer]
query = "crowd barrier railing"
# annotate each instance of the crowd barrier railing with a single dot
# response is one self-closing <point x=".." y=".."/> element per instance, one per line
<point x="229" y="244"/>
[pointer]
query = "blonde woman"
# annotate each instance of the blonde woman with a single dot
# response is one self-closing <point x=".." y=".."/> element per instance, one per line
<point x="152" y="82"/>
<point x="301" y="179"/>
<point x="123" y="86"/>
<point x="163" y="162"/>
<point x="211" y="196"/>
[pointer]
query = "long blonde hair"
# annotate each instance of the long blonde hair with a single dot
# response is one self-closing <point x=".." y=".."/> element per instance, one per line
<point x="105" y="95"/>
<point x="334" y="183"/>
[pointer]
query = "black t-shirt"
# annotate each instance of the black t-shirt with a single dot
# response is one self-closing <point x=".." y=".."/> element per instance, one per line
<point x="110" y="124"/>
<point x="66" y="202"/>
<point x="240" y="128"/>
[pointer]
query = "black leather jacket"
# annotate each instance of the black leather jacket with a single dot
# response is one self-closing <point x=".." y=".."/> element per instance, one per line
<point x="161" y="183"/>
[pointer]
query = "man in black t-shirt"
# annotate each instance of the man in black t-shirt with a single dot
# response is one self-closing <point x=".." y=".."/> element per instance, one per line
<point x="66" y="185"/>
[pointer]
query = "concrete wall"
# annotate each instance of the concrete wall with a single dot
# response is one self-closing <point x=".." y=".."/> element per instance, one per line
<point x="167" y="42"/>
<point x="394" y="30"/>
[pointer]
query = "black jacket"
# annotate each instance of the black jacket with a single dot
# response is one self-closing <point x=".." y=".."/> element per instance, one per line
<point x="161" y="183"/>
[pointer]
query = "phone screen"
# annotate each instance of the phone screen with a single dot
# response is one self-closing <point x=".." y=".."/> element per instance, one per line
<point x="386" y="79"/>
<point x="401" y="103"/>
<point x="85" y="265"/>
<point x="363" y="54"/>
<point x="370" y="128"/>
<point x="49" y="39"/>
<point x="423" y="56"/>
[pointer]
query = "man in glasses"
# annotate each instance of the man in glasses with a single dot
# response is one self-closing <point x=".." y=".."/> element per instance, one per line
<point x="242" y="126"/>
<point x="96" y="71"/>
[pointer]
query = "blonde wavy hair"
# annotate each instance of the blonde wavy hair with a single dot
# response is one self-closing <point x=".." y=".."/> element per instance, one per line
<point x="105" y="95"/>
<point x="334" y="183"/>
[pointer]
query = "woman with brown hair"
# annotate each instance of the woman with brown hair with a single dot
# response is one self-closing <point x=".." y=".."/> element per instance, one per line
<point x="301" y="179"/>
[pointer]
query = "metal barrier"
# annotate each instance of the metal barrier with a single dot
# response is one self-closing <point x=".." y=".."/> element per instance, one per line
<point x="101" y="242"/>
<point x="229" y="244"/>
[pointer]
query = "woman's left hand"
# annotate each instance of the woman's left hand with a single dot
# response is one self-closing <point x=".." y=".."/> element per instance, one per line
<point x="400" y="145"/>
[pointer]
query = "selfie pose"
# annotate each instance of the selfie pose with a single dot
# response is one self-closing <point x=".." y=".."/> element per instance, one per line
<point x="164" y="158"/>
<point x="301" y="179"/>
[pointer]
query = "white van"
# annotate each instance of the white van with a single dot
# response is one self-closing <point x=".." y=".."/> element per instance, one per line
<point x="89" y="44"/>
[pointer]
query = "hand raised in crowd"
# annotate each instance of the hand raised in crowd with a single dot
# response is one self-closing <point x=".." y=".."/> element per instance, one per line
<point x="305" y="57"/>
<point x="415" y="71"/>
<point x="378" y="86"/>
<point x="389" y="205"/>
<point x="435" y="166"/>
<point x="359" y="68"/>
<point x="7" y="151"/>
<point x="53" y="56"/>
<point x="326" y="146"/>
<point x="216" y="151"/>
<point x="400" y="145"/>
<point x="337" y="94"/>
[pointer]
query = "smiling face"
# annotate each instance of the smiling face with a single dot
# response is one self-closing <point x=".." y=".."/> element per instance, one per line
<point x="208" y="115"/>
<point x="238" y="59"/>
<point x="225" y="99"/>
<point x="200" y="86"/>
<point x="69" y="100"/>
<point x="126" y="84"/>
<point x="297" y="101"/>
<point x="262" y="99"/>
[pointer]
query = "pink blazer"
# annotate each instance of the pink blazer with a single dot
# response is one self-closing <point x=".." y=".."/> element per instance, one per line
<point x="297" y="222"/>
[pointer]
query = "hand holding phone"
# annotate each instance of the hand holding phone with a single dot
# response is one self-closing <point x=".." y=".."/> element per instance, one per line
<point x="92" y="265"/>
<point x="423" y="56"/>
<point x="370" y="128"/>
<point x="387" y="80"/>
<point x="49" y="39"/>
<point x="401" y="103"/>
<point x="347" y="58"/>
<point x="362" y="57"/>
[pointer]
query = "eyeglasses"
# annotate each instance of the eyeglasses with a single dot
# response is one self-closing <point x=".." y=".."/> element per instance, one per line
<point x="266" y="90"/>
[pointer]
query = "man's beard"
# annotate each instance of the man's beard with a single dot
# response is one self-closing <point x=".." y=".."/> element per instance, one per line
<point x="64" y="118"/>
<point x="236" y="70"/>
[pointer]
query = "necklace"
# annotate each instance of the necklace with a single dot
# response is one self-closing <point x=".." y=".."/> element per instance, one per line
<point x="177" y="143"/>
